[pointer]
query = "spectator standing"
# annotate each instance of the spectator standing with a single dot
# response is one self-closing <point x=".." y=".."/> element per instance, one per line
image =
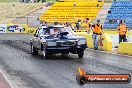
<point x="97" y="30"/>
<point x="122" y="30"/>
<point x="88" y="25"/>
<point x="43" y="1"/>
<point x="78" y="24"/>
<point x="21" y="1"/>
<point x="34" y="1"/>
<point x="38" y="1"/>
<point x="69" y="25"/>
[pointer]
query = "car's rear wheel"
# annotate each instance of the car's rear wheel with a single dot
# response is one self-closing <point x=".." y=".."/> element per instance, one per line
<point x="80" y="54"/>
<point x="34" y="51"/>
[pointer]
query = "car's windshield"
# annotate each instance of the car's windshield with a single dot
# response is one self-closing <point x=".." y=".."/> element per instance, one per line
<point x="60" y="30"/>
<point x="54" y="30"/>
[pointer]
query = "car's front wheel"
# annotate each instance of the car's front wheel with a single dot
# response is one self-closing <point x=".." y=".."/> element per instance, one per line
<point x="80" y="54"/>
<point x="34" y="51"/>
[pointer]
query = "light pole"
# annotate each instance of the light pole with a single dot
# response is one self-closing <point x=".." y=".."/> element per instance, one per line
<point x="74" y="9"/>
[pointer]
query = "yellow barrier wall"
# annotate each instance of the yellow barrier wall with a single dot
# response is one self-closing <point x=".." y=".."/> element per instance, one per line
<point x="107" y="42"/>
<point x="125" y="48"/>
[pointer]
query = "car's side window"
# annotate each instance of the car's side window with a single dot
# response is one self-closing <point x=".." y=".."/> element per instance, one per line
<point x="46" y="31"/>
<point x="51" y="31"/>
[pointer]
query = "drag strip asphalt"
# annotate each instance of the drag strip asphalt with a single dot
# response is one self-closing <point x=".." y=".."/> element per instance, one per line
<point x="58" y="71"/>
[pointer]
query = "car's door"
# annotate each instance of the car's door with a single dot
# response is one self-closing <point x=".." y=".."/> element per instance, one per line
<point x="36" y="40"/>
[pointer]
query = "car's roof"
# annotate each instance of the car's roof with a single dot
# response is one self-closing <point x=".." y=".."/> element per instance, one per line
<point x="43" y="27"/>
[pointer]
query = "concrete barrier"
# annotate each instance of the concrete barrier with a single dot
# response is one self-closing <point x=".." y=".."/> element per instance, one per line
<point x="125" y="48"/>
<point x="106" y="41"/>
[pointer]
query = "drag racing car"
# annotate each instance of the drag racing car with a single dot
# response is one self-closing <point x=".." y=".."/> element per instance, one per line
<point x="57" y="39"/>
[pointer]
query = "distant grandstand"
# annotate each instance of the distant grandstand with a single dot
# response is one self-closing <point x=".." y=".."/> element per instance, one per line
<point x="120" y="10"/>
<point x="72" y="10"/>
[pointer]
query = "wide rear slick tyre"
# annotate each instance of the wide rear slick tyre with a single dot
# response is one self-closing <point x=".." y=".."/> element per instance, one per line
<point x="80" y="54"/>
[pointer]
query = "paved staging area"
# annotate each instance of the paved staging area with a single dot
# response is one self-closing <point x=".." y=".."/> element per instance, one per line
<point x="26" y="71"/>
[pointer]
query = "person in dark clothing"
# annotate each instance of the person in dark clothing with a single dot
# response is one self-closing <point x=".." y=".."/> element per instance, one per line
<point x="43" y="1"/>
<point x="78" y="23"/>
<point x="38" y="1"/>
<point x="56" y="23"/>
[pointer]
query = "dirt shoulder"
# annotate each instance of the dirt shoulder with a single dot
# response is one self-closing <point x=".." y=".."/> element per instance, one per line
<point x="9" y="11"/>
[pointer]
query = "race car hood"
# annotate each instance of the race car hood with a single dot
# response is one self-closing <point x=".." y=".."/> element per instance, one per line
<point x="71" y="40"/>
<point x="75" y="37"/>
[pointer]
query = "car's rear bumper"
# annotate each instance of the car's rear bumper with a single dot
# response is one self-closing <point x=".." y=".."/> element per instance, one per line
<point x="66" y="49"/>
